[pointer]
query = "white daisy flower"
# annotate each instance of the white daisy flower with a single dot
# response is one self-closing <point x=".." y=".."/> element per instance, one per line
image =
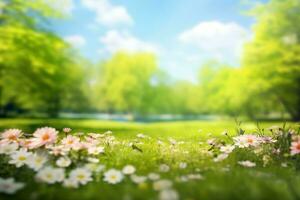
<point x="63" y="162"/>
<point x="108" y="132"/>
<point x="195" y="176"/>
<point x="227" y="149"/>
<point x="162" y="184"/>
<point x="225" y="169"/>
<point x="164" y="168"/>
<point x="95" y="135"/>
<point x="20" y="157"/>
<point x="168" y="194"/>
<point x="92" y="160"/>
<point x="8" y="148"/>
<point x="284" y="164"/>
<point x="70" y="183"/>
<point x="128" y="169"/>
<point x="182" y="165"/>
<point x="94" y="150"/>
<point x="221" y="157"/>
<point x="153" y="176"/>
<point x="113" y="176"/>
<point x="81" y="175"/>
<point x="247" y="163"/>
<point x="67" y="130"/>
<point x="211" y="141"/>
<point x="9" y="186"/>
<point x="182" y="179"/>
<point x="37" y="161"/>
<point x="51" y="175"/>
<point x="172" y="141"/>
<point x="138" y="179"/>
<point x="141" y="135"/>
<point x="244" y="141"/>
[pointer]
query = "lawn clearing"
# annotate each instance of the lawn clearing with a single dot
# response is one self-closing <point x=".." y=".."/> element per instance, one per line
<point x="174" y="160"/>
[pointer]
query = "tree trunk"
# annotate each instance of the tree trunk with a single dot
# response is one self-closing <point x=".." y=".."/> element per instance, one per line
<point x="54" y="107"/>
<point x="294" y="112"/>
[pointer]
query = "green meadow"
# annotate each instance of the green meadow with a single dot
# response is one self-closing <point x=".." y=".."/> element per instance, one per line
<point x="218" y="180"/>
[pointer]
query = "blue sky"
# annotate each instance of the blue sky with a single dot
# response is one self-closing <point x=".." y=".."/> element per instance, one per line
<point x="182" y="33"/>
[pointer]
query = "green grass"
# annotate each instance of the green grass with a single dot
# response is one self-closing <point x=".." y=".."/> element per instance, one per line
<point x="224" y="180"/>
<point x="180" y="130"/>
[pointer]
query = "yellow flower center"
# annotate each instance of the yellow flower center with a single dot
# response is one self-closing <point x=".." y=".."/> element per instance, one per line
<point x="49" y="176"/>
<point x="12" y="137"/>
<point x="45" y="137"/>
<point x="250" y="140"/>
<point x="22" y="158"/>
<point x="70" y="142"/>
<point x="80" y="176"/>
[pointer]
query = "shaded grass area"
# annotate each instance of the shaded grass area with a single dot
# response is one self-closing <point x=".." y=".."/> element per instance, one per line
<point x="222" y="181"/>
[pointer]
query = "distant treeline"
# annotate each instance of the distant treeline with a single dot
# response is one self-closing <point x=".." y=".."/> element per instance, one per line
<point x="41" y="73"/>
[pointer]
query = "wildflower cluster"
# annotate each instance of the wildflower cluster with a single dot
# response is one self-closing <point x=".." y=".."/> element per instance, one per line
<point x="278" y="142"/>
<point x="73" y="160"/>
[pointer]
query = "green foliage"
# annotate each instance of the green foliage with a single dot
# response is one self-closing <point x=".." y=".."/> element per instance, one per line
<point x="269" y="79"/>
<point x="36" y="69"/>
<point x="125" y="83"/>
<point x="271" y="57"/>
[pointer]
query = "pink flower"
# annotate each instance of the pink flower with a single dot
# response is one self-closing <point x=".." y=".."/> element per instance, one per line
<point x="43" y="136"/>
<point x="86" y="145"/>
<point x="67" y="130"/>
<point x="25" y="143"/>
<point x="95" y="135"/>
<point x="295" y="147"/>
<point x="58" y="150"/>
<point x="11" y="135"/>
<point x="71" y="142"/>
<point x="91" y="140"/>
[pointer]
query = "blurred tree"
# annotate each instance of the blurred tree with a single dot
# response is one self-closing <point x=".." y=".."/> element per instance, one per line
<point x="36" y="69"/>
<point x="272" y="57"/>
<point x="125" y="84"/>
<point x="185" y="98"/>
<point x="162" y="100"/>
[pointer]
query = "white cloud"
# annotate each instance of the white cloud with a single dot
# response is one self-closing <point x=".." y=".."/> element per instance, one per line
<point x="76" y="40"/>
<point x="65" y="6"/>
<point x="117" y="41"/>
<point x="108" y="14"/>
<point x="216" y="38"/>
